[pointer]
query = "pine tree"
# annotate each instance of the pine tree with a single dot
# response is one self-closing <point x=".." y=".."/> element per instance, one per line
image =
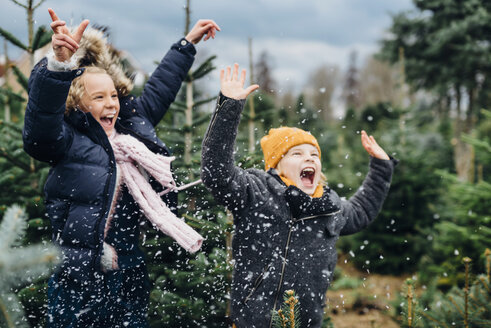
<point x="19" y="265"/>
<point x="410" y="317"/>
<point x="36" y="40"/>
<point x="398" y="238"/>
<point x="442" y="44"/>
<point x="469" y="306"/>
<point x="351" y="90"/>
<point x="22" y="178"/>
<point x="463" y="225"/>
<point x="190" y="290"/>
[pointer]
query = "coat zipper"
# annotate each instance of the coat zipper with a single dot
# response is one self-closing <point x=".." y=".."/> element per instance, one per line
<point x="286" y="254"/>
<point x="282" y="268"/>
<point x="213" y="119"/>
<point x="111" y="179"/>
<point x="257" y="283"/>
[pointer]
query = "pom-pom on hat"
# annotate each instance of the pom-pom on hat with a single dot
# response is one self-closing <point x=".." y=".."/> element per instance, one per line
<point x="278" y="141"/>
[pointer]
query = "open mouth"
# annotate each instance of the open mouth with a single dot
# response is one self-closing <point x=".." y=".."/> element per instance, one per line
<point x="307" y="176"/>
<point x="107" y="121"/>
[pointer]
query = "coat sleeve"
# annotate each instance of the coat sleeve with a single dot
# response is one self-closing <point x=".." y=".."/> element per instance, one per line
<point x="164" y="83"/>
<point x="230" y="185"/>
<point x="362" y="208"/>
<point x="45" y="135"/>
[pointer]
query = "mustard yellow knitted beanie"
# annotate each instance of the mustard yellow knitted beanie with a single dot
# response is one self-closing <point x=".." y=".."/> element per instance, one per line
<point x="278" y="141"/>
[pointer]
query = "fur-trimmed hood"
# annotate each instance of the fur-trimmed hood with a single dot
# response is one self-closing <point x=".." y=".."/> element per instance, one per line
<point x="96" y="51"/>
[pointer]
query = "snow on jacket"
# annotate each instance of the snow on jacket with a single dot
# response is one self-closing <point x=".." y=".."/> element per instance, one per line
<point x="283" y="238"/>
<point x="82" y="181"/>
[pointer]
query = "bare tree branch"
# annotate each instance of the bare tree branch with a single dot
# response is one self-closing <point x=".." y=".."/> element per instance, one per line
<point x="39" y="3"/>
<point x="19" y="4"/>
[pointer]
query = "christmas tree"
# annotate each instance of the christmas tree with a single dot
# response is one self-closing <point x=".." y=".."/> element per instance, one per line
<point x="19" y="266"/>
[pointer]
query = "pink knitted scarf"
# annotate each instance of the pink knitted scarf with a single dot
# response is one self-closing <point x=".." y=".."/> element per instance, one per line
<point x="131" y="155"/>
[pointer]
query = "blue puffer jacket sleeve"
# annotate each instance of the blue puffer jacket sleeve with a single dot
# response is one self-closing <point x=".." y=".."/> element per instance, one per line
<point x="162" y="87"/>
<point x="45" y="135"/>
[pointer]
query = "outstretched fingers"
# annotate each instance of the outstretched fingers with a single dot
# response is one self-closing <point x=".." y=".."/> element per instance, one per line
<point x="228" y="76"/>
<point x="80" y="30"/>
<point x="64" y="43"/>
<point x="243" y="77"/>
<point x="250" y="89"/>
<point x="232" y="83"/>
<point x="222" y="75"/>
<point x="372" y="147"/>
<point x="54" y="17"/>
<point x="235" y="73"/>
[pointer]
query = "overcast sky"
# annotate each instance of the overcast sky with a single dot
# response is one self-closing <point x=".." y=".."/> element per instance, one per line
<point x="298" y="35"/>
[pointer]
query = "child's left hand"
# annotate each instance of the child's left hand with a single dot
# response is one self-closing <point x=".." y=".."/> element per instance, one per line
<point x="372" y="147"/>
<point x="202" y="27"/>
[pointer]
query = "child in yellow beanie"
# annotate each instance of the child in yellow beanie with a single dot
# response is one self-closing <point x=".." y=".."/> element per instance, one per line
<point x="286" y="222"/>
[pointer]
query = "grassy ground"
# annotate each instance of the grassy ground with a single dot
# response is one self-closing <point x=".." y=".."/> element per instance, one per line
<point x="367" y="305"/>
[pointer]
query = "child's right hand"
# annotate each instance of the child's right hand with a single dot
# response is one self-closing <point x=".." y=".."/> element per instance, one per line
<point x="232" y="87"/>
<point x="63" y="42"/>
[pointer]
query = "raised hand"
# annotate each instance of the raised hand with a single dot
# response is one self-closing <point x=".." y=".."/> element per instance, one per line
<point x="233" y="87"/>
<point x="202" y="27"/>
<point x="372" y="147"/>
<point x="63" y="42"/>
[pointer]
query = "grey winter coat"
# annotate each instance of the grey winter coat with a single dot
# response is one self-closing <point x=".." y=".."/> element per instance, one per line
<point x="283" y="238"/>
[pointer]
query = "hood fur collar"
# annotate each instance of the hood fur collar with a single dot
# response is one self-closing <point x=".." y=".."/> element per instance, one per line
<point x="96" y="51"/>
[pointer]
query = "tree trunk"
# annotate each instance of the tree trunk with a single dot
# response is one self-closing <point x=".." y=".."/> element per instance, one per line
<point x="189" y="123"/>
<point x="252" y="114"/>
<point x="463" y="152"/>
<point x="6" y="75"/>
<point x="30" y="32"/>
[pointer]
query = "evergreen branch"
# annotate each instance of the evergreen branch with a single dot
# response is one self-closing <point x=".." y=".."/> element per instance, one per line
<point x="12" y="227"/>
<point x="433" y="319"/>
<point x="10" y="37"/>
<point x="12" y="95"/>
<point x="5" y="314"/>
<point x="265" y="112"/>
<point x="21" y="78"/>
<point x="201" y="102"/>
<point x="486" y="113"/>
<point x="37" y="37"/>
<point x="19" y="4"/>
<point x="45" y="38"/>
<point x="177" y="109"/>
<point x="451" y="299"/>
<point x="16" y="127"/>
<point x="203" y="69"/>
<point x="179" y="104"/>
<point x="203" y="72"/>
<point x="201" y="120"/>
<point x="33" y="262"/>
<point x="246" y="116"/>
<point x="482" y="280"/>
<point x="175" y="129"/>
<point x="39" y="4"/>
<point x="13" y="160"/>
<point x="477" y="143"/>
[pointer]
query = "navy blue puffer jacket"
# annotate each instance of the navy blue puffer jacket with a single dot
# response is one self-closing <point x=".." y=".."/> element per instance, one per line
<point x="81" y="182"/>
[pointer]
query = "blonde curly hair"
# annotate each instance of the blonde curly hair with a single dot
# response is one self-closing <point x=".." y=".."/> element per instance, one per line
<point x="77" y="89"/>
